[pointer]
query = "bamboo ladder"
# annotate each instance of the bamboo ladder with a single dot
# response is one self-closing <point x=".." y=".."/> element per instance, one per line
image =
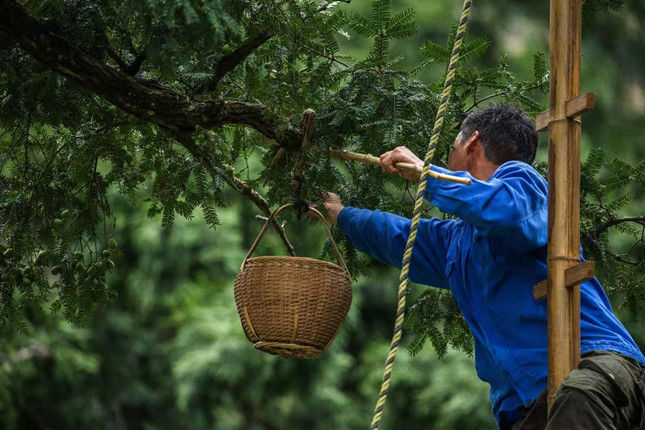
<point x="565" y="272"/>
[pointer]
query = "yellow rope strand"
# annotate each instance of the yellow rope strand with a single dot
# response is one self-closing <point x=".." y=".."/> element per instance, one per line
<point x="403" y="277"/>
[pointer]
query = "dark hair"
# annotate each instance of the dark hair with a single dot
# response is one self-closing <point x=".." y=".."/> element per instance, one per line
<point x="507" y="133"/>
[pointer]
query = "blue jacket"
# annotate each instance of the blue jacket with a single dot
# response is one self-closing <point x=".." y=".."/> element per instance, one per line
<point x="490" y="258"/>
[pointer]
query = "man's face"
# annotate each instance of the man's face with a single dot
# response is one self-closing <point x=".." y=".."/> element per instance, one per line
<point x="457" y="158"/>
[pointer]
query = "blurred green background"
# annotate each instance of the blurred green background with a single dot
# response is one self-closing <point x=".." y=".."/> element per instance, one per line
<point x="169" y="351"/>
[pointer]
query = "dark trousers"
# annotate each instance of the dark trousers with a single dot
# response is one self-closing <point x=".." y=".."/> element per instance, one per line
<point x="606" y="391"/>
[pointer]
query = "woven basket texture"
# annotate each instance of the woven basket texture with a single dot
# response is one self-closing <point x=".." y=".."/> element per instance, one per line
<point x="292" y="306"/>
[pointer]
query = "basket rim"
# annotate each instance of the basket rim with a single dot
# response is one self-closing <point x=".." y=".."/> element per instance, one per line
<point x="302" y="259"/>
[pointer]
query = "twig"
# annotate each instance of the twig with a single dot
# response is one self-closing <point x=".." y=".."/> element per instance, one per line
<point x="622" y="260"/>
<point x="614" y="221"/>
<point x="229" y="61"/>
<point x="116" y="57"/>
<point x="313" y="51"/>
<point x="264" y="218"/>
<point x="236" y="183"/>
<point x="476" y="104"/>
<point x="613" y="255"/>
<point x="264" y="207"/>
<point x="273" y="162"/>
<point x="307" y="121"/>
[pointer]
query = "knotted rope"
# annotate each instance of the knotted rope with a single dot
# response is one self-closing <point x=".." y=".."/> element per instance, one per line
<point x="403" y="277"/>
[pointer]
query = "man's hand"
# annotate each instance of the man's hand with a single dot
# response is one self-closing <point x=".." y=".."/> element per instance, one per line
<point x="401" y="154"/>
<point x="333" y="206"/>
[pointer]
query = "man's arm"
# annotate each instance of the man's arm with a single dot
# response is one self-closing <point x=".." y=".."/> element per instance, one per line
<point x="512" y="205"/>
<point x="383" y="236"/>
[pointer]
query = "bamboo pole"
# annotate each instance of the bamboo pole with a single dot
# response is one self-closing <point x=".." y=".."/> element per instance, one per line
<point x="563" y="303"/>
<point x="370" y="159"/>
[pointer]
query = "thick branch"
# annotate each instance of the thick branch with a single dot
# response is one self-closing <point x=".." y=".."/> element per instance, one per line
<point x="235" y="182"/>
<point x="145" y="99"/>
<point x="261" y="119"/>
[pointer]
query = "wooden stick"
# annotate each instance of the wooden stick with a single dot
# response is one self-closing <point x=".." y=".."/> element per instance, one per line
<point x="573" y="108"/>
<point x="307" y="120"/>
<point x="274" y="161"/>
<point x="370" y="159"/>
<point x="573" y="276"/>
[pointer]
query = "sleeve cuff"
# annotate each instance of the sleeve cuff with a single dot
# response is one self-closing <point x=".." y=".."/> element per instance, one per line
<point x="435" y="186"/>
<point x="432" y="184"/>
<point x="344" y="218"/>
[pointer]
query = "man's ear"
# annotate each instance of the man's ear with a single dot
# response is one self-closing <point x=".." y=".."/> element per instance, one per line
<point x="472" y="142"/>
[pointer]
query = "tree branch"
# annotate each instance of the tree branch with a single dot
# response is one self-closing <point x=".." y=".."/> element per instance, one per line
<point x="476" y="102"/>
<point x="116" y="57"/>
<point x="236" y="183"/>
<point x="611" y="254"/>
<point x="622" y="260"/>
<point x="139" y="56"/>
<point x="614" y="221"/>
<point x="134" y="67"/>
<point x="229" y="61"/>
<point x="145" y="99"/>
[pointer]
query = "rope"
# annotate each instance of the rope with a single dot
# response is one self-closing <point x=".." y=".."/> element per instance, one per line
<point x="403" y="277"/>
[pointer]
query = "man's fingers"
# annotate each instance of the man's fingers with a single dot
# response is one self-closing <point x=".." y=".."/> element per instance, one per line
<point x="388" y="163"/>
<point x="398" y="154"/>
<point x="383" y="157"/>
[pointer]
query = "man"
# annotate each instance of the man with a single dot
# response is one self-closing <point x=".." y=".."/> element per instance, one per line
<point x="490" y="258"/>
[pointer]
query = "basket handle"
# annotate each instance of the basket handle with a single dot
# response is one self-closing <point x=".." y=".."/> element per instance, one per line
<point x="320" y="217"/>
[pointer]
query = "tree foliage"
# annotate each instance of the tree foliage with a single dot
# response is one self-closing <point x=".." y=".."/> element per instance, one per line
<point x="170" y="100"/>
<point x="169" y="351"/>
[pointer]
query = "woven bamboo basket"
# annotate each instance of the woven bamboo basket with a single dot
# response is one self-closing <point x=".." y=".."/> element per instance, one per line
<point x="292" y="306"/>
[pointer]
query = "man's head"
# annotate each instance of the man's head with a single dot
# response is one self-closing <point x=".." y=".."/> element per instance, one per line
<point x="491" y="136"/>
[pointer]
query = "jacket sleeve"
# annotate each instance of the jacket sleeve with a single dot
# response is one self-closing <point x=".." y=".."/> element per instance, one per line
<point x="512" y="205"/>
<point x="383" y="236"/>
